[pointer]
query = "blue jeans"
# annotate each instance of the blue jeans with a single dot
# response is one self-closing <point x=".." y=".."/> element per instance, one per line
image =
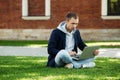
<point x="62" y="58"/>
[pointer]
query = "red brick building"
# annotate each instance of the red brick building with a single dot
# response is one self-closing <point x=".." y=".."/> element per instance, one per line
<point x="34" y="19"/>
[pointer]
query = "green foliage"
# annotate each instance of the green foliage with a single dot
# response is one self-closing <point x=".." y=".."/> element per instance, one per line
<point x="34" y="68"/>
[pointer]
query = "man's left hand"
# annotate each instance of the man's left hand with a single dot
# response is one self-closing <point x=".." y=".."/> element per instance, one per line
<point x="96" y="52"/>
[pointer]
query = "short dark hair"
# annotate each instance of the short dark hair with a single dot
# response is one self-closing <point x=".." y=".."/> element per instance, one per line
<point x="71" y="15"/>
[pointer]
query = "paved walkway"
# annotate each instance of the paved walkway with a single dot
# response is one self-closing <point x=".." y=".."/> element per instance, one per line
<point x="42" y="51"/>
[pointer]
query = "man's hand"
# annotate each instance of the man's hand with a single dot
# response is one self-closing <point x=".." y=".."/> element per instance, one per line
<point x="96" y="52"/>
<point x="72" y="53"/>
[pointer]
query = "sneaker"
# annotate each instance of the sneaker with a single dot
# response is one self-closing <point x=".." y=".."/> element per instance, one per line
<point x="88" y="65"/>
<point x="70" y="65"/>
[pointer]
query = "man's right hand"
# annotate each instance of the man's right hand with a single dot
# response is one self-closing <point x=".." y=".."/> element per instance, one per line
<point x="72" y="53"/>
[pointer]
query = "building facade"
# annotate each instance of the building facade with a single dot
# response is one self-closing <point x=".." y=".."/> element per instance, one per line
<point x="35" y="19"/>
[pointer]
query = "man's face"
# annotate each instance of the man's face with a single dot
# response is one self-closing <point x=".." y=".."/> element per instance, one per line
<point x="72" y="24"/>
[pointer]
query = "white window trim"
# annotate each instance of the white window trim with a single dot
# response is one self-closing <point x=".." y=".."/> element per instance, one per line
<point x="25" y="11"/>
<point x="104" y="11"/>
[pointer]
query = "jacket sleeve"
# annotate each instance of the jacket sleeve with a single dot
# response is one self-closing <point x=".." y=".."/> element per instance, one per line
<point x="52" y="43"/>
<point x="81" y="44"/>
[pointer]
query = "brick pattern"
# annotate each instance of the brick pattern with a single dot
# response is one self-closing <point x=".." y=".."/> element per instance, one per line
<point x="89" y="12"/>
<point x="36" y="8"/>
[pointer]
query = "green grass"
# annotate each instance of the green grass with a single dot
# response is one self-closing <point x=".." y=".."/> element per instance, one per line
<point x="102" y="44"/>
<point x="23" y="43"/>
<point x="34" y="68"/>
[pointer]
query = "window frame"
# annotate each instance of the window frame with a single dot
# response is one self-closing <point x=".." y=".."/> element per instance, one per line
<point x="104" y="11"/>
<point x="25" y="11"/>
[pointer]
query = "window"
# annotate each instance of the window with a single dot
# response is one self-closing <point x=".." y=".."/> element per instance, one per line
<point x="25" y="12"/>
<point x="113" y="7"/>
<point x="110" y="9"/>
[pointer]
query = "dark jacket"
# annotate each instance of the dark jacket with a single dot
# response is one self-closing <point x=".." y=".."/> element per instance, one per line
<point x="57" y="42"/>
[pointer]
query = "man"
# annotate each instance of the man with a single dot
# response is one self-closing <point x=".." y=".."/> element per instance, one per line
<point x="63" y="44"/>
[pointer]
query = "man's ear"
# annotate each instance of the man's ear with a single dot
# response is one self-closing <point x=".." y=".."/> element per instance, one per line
<point x="66" y="21"/>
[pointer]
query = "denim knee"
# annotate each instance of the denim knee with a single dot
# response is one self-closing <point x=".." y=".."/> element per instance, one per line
<point x="65" y="56"/>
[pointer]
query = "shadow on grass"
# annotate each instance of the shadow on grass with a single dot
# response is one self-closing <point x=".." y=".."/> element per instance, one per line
<point x="34" y="68"/>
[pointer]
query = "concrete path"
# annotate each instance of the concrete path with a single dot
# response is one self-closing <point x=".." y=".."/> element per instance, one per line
<point x="42" y="51"/>
<point x="22" y="51"/>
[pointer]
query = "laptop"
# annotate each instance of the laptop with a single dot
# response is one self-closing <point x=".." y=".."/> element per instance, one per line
<point x="87" y="53"/>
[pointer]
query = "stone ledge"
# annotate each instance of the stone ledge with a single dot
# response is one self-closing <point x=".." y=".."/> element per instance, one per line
<point x="43" y="34"/>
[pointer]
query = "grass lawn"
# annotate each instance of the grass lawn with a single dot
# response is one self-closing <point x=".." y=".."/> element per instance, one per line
<point x="102" y="44"/>
<point x="34" y="68"/>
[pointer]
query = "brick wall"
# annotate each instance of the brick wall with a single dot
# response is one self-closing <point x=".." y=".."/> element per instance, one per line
<point x="36" y="7"/>
<point x="12" y="26"/>
<point x="89" y="12"/>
